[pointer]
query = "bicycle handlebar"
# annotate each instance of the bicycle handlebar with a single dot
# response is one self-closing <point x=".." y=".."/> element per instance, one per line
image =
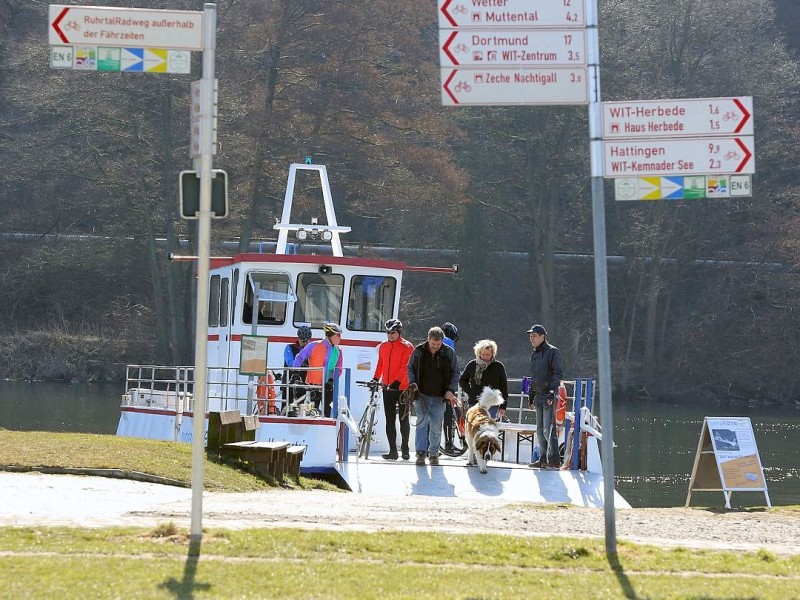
<point x="373" y="386"/>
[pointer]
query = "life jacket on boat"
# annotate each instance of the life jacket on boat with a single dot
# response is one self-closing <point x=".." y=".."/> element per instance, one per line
<point x="265" y="392"/>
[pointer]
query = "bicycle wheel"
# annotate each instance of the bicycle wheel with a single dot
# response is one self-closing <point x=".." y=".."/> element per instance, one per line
<point x="365" y="431"/>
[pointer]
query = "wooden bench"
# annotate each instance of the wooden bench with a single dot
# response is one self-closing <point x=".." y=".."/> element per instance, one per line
<point x="223" y="428"/>
<point x="250" y="425"/>
<point x="266" y="458"/>
<point x="231" y="436"/>
<point x="294" y="455"/>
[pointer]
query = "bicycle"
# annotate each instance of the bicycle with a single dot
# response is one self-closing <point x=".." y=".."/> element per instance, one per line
<point x="302" y="406"/>
<point x="366" y="424"/>
<point x="457" y="426"/>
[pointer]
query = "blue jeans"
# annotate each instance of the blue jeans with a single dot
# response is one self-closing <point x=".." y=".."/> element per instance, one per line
<point x="430" y="412"/>
<point x="546" y="429"/>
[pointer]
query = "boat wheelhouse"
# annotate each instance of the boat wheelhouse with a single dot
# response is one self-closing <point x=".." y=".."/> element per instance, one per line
<point x="262" y="298"/>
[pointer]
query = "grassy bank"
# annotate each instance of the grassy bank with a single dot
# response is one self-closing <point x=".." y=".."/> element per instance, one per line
<point x="170" y="462"/>
<point x="290" y="563"/>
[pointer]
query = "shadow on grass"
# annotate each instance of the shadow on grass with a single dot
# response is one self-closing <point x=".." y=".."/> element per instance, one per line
<point x="624" y="582"/>
<point x="186" y="587"/>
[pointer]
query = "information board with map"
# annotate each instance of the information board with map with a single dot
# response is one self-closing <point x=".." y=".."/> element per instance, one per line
<point x="727" y="459"/>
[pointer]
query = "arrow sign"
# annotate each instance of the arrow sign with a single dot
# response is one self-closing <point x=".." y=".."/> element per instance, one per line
<point x="511" y="13"/>
<point x="498" y="86"/>
<point x="517" y="47"/>
<point x="688" y="117"/>
<point x="626" y="158"/>
<point x="104" y="26"/>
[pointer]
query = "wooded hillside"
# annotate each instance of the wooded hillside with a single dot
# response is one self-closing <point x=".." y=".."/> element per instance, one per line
<point x="704" y="294"/>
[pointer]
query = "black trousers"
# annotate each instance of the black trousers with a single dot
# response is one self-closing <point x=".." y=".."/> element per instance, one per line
<point x="316" y="398"/>
<point x="391" y="401"/>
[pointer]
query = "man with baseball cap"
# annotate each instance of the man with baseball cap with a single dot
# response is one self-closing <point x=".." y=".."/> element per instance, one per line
<point x="546" y="373"/>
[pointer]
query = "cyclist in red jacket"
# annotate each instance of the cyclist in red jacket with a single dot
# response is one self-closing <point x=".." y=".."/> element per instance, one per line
<point x="392" y="371"/>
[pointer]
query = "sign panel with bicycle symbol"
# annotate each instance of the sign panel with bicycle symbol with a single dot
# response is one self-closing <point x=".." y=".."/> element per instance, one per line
<point x="534" y="13"/>
<point x="514" y="86"/>
<point x="700" y="156"/>
<point x="686" y="117"/>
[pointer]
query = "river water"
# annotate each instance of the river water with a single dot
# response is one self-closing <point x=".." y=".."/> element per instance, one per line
<point x="656" y="443"/>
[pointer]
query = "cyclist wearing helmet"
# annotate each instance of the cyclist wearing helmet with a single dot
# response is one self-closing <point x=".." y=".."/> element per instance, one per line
<point x="325" y="361"/>
<point x="450" y="334"/>
<point x="292" y="350"/>
<point x="392" y="370"/>
<point x="450" y="338"/>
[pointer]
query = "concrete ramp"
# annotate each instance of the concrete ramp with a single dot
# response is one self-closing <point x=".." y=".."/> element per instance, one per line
<point x="504" y="481"/>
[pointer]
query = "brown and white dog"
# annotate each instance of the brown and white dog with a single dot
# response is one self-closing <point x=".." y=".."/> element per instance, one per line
<point x="481" y="432"/>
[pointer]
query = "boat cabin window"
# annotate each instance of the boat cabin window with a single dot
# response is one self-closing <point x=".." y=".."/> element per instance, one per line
<point x="275" y="291"/>
<point x="371" y="302"/>
<point x="224" y="294"/>
<point x="218" y="301"/>
<point x="319" y="298"/>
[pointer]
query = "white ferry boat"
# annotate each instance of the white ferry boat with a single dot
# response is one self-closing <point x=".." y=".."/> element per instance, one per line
<point x="291" y="288"/>
<point x="262" y="298"/>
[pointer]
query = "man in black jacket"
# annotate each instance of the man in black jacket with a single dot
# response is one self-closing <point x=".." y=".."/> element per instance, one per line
<point x="546" y="373"/>
<point x="433" y="373"/>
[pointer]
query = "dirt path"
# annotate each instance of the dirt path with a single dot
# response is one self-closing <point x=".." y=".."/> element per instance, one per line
<point x="36" y="499"/>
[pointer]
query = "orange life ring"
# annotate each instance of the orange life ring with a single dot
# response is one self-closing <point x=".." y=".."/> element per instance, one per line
<point x="265" y="390"/>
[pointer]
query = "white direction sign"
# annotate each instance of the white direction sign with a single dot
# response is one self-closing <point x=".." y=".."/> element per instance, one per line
<point x="512" y="47"/>
<point x="678" y="118"/>
<point x="526" y="85"/>
<point x="511" y="13"/>
<point x="126" y="27"/>
<point x="626" y="158"/>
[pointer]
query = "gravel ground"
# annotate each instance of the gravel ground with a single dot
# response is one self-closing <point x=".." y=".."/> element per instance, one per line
<point x="36" y="499"/>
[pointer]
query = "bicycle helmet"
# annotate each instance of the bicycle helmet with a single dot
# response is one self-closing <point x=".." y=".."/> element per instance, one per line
<point x="304" y="333"/>
<point x="393" y="325"/>
<point x="330" y="328"/>
<point x="450" y="331"/>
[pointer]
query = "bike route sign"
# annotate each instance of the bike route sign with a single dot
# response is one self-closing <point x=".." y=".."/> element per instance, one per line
<point x="702" y="156"/>
<point x="512" y="47"/>
<point x="513" y="86"/>
<point x="688" y="117"/>
<point x="115" y="59"/>
<point x="511" y="13"/>
<point x="513" y="52"/>
<point x="679" y="187"/>
<point x="126" y="27"/>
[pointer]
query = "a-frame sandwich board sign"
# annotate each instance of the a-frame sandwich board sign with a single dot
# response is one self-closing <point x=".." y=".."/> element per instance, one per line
<point x="727" y="459"/>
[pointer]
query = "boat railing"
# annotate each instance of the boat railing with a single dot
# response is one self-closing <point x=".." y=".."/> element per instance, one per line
<point x="171" y="388"/>
<point x="518" y="408"/>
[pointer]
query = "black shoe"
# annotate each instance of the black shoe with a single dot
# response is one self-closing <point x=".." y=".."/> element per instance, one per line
<point x="390" y="455"/>
<point x="537" y="464"/>
<point x="420" y="459"/>
<point x="449" y="448"/>
<point x="434" y="460"/>
<point x="406" y="455"/>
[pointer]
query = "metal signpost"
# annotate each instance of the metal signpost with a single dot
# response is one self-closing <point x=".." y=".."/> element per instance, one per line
<point x="93" y="29"/>
<point x="529" y="52"/>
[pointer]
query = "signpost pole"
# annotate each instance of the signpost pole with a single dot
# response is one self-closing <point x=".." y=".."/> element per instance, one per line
<point x="203" y="257"/>
<point x="601" y="276"/>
